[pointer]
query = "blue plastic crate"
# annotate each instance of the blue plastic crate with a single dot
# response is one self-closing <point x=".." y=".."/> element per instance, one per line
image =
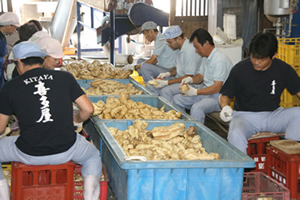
<point x="174" y="180"/>
<point x="86" y="84"/>
<point x="151" y="100"/>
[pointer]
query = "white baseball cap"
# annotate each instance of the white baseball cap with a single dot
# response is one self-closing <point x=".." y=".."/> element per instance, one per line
<point x="172" y="32"/>
<point x="38" y="36"/>
<point x="48" y="44"/>
<point x="27" y="49"/>
<point x="52" y="47"/>
<point x="9" y="18"/>
<point x="148" y="26"/>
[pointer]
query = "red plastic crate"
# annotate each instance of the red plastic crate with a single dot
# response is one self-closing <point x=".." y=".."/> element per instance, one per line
<point x="257" y="151"/>
<point x="78" y="184"/>
<point x="285" y="168"/>
<point x="258" y="186"/>
<point x="42" y="181"/>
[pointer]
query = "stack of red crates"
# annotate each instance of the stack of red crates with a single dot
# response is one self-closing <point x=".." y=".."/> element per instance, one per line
<point x="259" y="186"/>
<point x="257" y="151"/>
<point x="42" y="181"/>
<point x="37" y="182"/>
<point x="285" y="168"/>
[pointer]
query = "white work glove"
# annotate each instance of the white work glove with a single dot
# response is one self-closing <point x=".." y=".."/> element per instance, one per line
<point x="187" y="80"/>
<point x="191" y="92"/>
<point x="128" y="67"/>
<point x="162" y="83"/>
<point x="164" y="75"/>
<point x="226" y="113"/>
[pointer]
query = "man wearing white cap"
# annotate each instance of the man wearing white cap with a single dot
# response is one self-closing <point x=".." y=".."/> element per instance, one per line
<point x="163" y="58"/>
<point x="51" y="46"/>
<point x="42" y="100"/>
<point x="8" y="24"/>
<point x="187" y="63"/>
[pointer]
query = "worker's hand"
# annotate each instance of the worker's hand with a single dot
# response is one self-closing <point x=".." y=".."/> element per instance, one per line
<point x="187" y="80"/>
<point x="78" y="126"/>
<point x="128" y="67"/>
<point x="164" y="75"/>
<point x="162" y="83"/>
<point x="226" y="113"/>
<point x="191" y="92"/>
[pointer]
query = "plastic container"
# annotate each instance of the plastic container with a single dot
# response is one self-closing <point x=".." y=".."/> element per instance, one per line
<point x="257" y="150"/>
<point x="78" y="184"/>
<point x="86" y="84"/>
<point x="140" y="80"/>
<point x="135" y="75"/>
<point x="151" y="100"/>
<point x="288" y="100"/>
<point x="259" y="186"/>
<point x="172" y="180"/>
<point x="42" y="181"/>
<point x="285" y="168"/>
<point x="289" y="50"/>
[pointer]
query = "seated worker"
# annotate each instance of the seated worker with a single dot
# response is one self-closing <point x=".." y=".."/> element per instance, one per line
<point x="8" y="24"/>
<point x="42" y="100"/>
<point x="187" y="64"/>
<point x="25" y="32"/>
<point x="37" y="24"/>
<point x="213" y="72"/>
<point x="51" y="46"/>
<point x="257" y="83"/>
<point x="163" y="58"/>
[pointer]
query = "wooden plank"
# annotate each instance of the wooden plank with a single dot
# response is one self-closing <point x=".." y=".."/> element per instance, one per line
<point x="287" y="146"/>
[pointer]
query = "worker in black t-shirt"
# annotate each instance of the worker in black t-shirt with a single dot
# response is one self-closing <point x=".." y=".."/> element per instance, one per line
<point x="257" y="83"/>
<point x="42" y="100"/>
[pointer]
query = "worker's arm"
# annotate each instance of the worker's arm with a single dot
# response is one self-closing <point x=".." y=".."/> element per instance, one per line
<point x="162" y="76"/>
<point x="152" y="60"/>
<point x="176" y="80"/>
<point x="226" y="113"/>
<point x="86" y="109"/>
<point x="215" y="88"/>
<point x="3" y="122"/>
<point x="197" y="78"/>
<point x="224" y="101"/>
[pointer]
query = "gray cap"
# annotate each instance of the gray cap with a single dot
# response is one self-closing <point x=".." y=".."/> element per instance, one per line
<point x="148" y="26"/>
<point x="172" y="32"/>
<point x="27" y="49"/>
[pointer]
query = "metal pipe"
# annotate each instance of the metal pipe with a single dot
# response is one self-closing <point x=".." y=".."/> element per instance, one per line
<point x="112" y="37"/>
<point x="290" y="21"/>
<point x="92" y="17"/>
<point x="78" y="31"/>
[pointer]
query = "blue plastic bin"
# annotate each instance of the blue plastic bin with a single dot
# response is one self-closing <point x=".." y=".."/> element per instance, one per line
<point x="151" y="100"/>
<point x="174" y="180"/>
<point x="86" y="84"/>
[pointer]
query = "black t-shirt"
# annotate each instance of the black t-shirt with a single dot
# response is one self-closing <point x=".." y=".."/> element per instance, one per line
<point x="42" y="100"/>
<point x="260" y="90"/>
